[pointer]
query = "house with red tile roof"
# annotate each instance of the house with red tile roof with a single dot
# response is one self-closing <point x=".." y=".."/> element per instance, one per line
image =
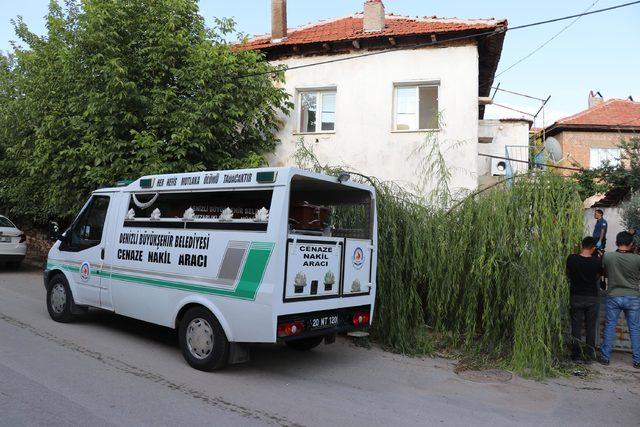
<point x="376" y="91"/>
<point x="592" y="137"/>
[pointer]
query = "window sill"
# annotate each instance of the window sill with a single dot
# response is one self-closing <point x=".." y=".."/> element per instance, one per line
<point x="328" y="132"/>
<point x="416" y="131"/>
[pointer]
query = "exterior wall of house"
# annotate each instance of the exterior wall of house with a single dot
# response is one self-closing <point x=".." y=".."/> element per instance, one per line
<point x="576" y="145"/>
<point x="364" y="139"/>
<point x="614" y="220"/>
<point x="494" y="136"/>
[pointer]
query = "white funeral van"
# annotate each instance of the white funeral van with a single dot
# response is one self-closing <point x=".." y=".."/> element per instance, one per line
<point x="227" y="258"/>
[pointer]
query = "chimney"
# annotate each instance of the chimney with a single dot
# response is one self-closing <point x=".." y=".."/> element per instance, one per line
<point x="373" y="16"/>
<point x="278" y="20"/>
<point x="595" y="99"/>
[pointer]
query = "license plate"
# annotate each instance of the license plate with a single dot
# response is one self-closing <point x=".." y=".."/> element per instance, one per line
<point x="323" y="322"/>
<point x="5" y="239"/>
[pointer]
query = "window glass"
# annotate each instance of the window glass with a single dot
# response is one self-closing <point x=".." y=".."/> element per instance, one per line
<point x="601" y="156"/>
<point x="405" y="108"/>
<point x="317" y="111"/>
<point x="328" y="111"/>
<point x="4" y="222"/>
<point x="206" y="207"/>
<point x="428" y="107"/>
<point x="416" y="107"/>
<point x="87" y="230"/>
<point x="308" y="102"/>
<point x="329" y="209"/>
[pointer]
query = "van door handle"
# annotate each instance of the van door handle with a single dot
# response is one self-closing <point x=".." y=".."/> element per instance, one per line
<point x="102" y="253"/>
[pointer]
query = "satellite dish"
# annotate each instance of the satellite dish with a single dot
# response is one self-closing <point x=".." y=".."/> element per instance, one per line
<point x="553" y="147"/>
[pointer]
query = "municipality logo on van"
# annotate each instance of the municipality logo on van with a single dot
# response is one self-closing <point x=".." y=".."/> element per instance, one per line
<point x="85" y="271"/>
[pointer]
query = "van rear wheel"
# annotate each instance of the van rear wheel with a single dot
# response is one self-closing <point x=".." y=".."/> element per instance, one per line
<point x="203" y="342"/>
<point x="305" y="344"/>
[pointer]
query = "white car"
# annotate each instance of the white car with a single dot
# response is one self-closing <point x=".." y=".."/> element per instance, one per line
<point x="13" y="243"/>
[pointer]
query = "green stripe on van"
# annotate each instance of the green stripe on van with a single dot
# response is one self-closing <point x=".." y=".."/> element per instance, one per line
<point x="253" y="271"/>
<point x="67" y="267"/>
<point x="247" y="288"/>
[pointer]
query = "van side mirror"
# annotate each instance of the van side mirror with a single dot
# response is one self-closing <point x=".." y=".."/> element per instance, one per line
<point x="54" y="231"/>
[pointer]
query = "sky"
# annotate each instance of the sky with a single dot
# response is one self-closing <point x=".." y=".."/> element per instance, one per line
<point x="599" y="52"/>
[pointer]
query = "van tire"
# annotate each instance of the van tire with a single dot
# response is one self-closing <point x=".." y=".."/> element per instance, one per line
<point x="59" y="299"/>
<point x="196" y="327"/>
<point x="305" y="344"/>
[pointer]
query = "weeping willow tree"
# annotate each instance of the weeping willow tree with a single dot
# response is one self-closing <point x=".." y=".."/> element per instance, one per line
<point x="488" y="271"/>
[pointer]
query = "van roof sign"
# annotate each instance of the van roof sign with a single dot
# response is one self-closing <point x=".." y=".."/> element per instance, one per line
<point x="238" y="178"/>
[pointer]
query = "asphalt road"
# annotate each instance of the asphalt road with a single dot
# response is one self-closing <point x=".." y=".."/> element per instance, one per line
<point x="109" y="370"/>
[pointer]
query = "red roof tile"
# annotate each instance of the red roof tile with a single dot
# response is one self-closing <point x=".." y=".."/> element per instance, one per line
<point x="614" y="113"/>
<point x="350" y="28"/>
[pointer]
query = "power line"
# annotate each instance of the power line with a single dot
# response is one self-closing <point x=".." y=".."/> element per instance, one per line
<point x="578" y="15"/>
<point x="436" y="42"/>
<point x="379" y="52"/>
<point x="531" y="163"/>
<point x="498" y="88"/>
<point x="530" y="54"/>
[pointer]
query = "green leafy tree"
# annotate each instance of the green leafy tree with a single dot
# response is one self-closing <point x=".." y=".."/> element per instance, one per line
<point x="624" y="175"/>
<point x="121" y="88"/>
<point x="630" y="212"/>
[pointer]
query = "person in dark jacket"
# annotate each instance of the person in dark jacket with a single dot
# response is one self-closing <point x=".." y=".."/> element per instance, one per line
<point x="584" y="271"/>
<point x="600" y="230"/>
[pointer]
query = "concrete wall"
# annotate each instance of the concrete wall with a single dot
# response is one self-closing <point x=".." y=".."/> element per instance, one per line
<point x="38" y="244"/>
<point x="494" y="136"/>
<point x="612" y="215"/>
<point x="364" y="138"/>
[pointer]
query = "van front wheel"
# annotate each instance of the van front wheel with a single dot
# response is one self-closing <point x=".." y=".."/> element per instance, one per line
<point x="203" y="342"/>
<point x="59" y="300"/>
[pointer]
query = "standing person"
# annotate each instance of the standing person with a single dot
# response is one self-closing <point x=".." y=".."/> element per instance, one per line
<point x="600" y="230"/>
<point x="584" y="271"/>
<point x="622" y="269"/>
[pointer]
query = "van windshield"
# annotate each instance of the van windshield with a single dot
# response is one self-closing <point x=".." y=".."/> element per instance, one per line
<point x="324" y="208"/>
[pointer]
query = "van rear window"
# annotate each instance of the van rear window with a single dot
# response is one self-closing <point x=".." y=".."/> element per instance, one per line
<point x="220" y="210"/>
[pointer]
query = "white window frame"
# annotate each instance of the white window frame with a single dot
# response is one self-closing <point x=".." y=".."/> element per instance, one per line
<point x="416" y="85"/>
<point x="617" y="160"/>
<point x="319" y="91"/>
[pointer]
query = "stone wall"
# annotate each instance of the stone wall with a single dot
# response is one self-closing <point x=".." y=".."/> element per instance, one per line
<point x="621" y="341"/>
<point x="38" y="244"/>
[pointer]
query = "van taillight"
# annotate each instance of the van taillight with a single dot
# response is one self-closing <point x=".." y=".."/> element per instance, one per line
<point x="361" y="318"/>
<point x="23" y="238"/>
<point x="289" y="329"/>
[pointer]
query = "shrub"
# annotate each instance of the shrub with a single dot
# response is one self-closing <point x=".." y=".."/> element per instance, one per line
<point x="487" y="274"/>
<point x="630" y="213"/>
